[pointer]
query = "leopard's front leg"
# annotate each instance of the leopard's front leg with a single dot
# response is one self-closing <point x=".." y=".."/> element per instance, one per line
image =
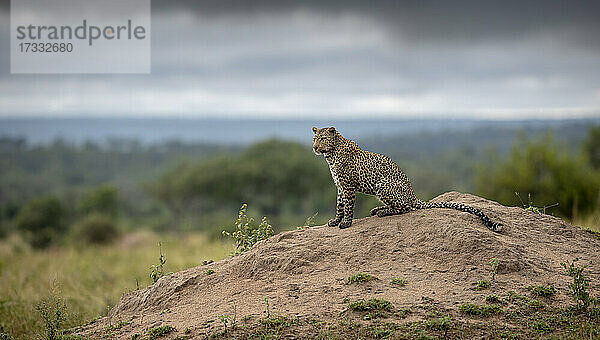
<point x="339" y="210"/>
<point x="348" y="197"/>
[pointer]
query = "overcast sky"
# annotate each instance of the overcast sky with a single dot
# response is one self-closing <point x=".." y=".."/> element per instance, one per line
<point x="333" y="59"/>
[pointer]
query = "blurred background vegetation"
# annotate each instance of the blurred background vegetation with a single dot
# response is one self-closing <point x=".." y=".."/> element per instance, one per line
<point x="85" y="219"/>
<point x="52" y="194"/>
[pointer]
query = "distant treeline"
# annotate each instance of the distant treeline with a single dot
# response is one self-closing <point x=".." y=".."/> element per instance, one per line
<point x="61" y="189"/>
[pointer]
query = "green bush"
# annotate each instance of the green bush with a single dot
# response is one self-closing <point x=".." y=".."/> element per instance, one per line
<point x="96" y="228"/>
<point x="42" y="220"/>
<point x="246" y="233"/>
<point x="103" y="199"/>
<point x="591" y="146"/>
<point x="276" y="176"/>
<point x="545" y="170"/>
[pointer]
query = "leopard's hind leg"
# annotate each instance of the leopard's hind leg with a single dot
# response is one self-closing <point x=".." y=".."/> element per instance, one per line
<point x="376" y="209"/>
<point x="390" y="194"/>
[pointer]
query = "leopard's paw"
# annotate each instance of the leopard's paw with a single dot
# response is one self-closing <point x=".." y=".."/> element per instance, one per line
<point x="334" y="222"/>
<point x="345" y="224"/>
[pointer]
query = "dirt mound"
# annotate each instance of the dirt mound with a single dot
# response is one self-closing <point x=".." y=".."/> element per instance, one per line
<point x="441" y="253"/>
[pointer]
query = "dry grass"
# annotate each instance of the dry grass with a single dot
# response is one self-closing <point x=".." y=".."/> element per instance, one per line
<point x="91" y="279"/>
<point x="88" y="279"/>
<point x="590" y="222"/>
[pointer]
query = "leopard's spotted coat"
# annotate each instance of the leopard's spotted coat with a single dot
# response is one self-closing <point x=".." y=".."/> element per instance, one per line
<point x="354" y="169"/>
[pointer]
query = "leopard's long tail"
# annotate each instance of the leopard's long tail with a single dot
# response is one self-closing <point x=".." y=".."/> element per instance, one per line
<point x="493" y="226"/>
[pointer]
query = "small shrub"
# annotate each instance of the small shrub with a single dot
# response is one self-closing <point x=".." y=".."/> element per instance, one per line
<point x="96" y="228"/>
<point x="42" y="220"/>
<point x="399" y="282"/>
<point x="541" y="290"/>
<point x="158" y="270"/>
<point x="580" y="285"/>
<point x="210" y="271"/>
<point x="493" y="268"/>
<point x="246" y="233"/>
<point x="157" y="332"/>
<point x="529" y="207"/>
<point x="360" y="278"/>
<point x="225" y="319"/>
<point x="483" y="284"/>
<point x="480" y="310"/>
<point x="53" y="312"/>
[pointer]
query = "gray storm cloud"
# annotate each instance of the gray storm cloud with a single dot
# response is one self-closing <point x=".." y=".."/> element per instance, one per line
<point x="393" y="59"/>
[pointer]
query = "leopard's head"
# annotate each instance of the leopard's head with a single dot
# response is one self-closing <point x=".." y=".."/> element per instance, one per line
<point x="324" y="140"/>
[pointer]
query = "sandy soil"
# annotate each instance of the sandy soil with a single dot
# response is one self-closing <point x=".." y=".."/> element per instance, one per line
<point x="440" y="252"/>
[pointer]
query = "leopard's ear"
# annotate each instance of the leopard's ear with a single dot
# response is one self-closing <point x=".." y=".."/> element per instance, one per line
<point x="331" y="130"/>
<point x="315" y="130"/>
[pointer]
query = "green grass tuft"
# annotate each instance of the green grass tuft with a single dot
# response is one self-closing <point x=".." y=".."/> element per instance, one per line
<point x="374" y="308"/>
<point x="536" y="304"/>
<point x="399" y="282"/>
<point x="440" y="324"/>
<point x="370" y="305"/>
<point x="403" y="312"/>
<point x="541" y="290"/>
<point x="541" y="326"/>
<point x="382" y="332"/>
<point x="157" y="332"/>
<point x="480" y="310"/>
<point x="119" y="325"/>
<point x="360" y="278"/>
<point x="483" y="284"/>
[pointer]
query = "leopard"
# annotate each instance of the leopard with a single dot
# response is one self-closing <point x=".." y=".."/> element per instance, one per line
<point x="356" y="170"/>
